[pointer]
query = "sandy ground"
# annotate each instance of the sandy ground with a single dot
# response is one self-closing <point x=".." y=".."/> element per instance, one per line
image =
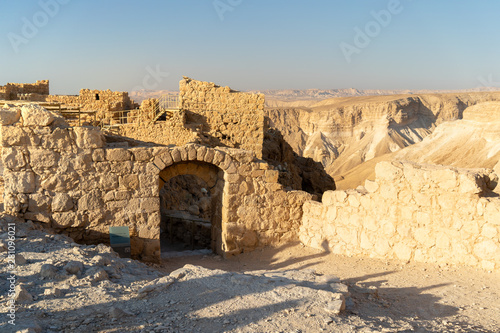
<point x="430" y="297"/>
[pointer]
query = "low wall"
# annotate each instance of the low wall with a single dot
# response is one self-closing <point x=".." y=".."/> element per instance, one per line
<point x="71" y="180"/>
<point x="410" y="212"/>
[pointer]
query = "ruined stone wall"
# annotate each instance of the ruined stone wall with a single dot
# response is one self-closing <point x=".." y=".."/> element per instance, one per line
<point x="101" y="101"/>
<point x="71" y="180"/>
<point x="226" y="117"/>
<point x="411" y="212"/>
<point x="37" y="89"/>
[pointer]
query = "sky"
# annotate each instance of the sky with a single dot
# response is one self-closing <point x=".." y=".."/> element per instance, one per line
<point x="127" y="45"/>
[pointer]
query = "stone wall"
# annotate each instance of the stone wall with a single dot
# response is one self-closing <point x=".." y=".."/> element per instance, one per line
<point x="11" y="90"/>
<point x="101" y="101"/>
<point x="72" y="180"/>
<point x="225" y="117"/>
<point x="411" y="212"/>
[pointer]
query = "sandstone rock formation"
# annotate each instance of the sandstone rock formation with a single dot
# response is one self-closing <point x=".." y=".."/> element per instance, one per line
<point x="342" y="133"/>
<point x="473" y="142"/>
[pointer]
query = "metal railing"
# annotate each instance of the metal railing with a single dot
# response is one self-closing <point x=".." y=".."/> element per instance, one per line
<point x="166" y="105"/>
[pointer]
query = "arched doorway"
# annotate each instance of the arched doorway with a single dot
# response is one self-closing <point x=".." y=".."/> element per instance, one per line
<point x="191" y="207"/>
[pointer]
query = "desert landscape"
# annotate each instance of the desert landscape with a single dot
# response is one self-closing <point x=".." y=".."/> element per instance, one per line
<point x="352" y="214"/>
<point x="249" y="166"/>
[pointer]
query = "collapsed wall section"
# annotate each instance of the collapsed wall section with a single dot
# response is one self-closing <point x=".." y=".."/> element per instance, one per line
<point x="69" y="179"/>
<point x="410" y="212"/>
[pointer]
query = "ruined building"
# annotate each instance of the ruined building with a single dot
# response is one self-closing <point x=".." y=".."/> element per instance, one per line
<point x="206" y="168"/>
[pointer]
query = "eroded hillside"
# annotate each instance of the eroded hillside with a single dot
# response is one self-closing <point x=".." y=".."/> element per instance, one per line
<point x="343" y="133"/>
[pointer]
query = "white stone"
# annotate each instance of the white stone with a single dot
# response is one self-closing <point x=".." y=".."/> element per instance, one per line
<point x="35" y="115"/>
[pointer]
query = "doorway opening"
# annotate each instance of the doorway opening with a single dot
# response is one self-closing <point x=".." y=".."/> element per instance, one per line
<point x="191" y="214"/>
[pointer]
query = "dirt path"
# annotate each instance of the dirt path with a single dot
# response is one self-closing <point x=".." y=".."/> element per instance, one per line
<point x="429" y="297"/>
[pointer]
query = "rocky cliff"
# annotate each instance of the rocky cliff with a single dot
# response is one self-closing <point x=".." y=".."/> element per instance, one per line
<point x="343" y="133"/>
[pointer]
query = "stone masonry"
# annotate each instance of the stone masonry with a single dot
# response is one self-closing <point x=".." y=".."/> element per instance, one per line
<point x="411" y="212"/>
<point x="37" y="91"/>
<point x="72" y="180"/>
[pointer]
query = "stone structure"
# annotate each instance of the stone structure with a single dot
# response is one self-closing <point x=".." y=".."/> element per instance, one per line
<point x="72" y="180"/>
<point x="411" y="212"/>
<point x="226" y="117"/>
<point x="25" y="91"/>
<point x="208" y="114"/>
<point x="101" y="101"/>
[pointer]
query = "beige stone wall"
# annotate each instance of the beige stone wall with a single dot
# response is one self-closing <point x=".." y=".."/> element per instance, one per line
<point x="411" y="212"/>
<point x="10" y="90"/>
<point x="71" y="180"/>
<point x="226" y="117"/>
<point x="101" y="101"/>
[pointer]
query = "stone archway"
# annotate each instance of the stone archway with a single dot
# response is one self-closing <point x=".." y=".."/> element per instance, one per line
<point x="213" y="177"/>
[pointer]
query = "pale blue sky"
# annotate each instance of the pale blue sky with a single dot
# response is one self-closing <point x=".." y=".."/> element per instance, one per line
<point x="259" y="44"/>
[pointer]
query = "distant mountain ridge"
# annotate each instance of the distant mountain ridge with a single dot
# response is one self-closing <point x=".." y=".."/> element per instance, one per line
<point x="307" y="97"/>
<point x="288" y="95"/>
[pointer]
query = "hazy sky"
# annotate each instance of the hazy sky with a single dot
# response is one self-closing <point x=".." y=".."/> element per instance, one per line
<point x="251" y="44"/>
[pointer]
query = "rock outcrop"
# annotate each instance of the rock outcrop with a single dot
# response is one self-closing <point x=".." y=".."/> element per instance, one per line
<point x="342" y="133"/>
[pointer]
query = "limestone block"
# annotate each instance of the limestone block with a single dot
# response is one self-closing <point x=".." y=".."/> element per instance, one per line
<point x="35" y="115"/>
<point x="271" y="176"/>
<point x="43" y="159"/>
<point x="118" y="155"/>
<point x="232" y="168"/>
<point x="201" y="152"/>
<point x="353" y="201"/>
<point x="184" y="153"/>
<point x="14" y="136"/>
<point x="38" y="202"/>
<point x="158" y="161"/>
<point x="371" y="186"/>
<point x="61" y="182"/>
<point x="224" y="165"/>
<point x="389" y="192"/>
<point x="445" y="178"/>
<point x="148" y="180"/>
<point x="218" y="157"/>
<point x="492" y="212"/>
<point x="58" y="139"/>
<point x="117" y="205"/>
<point x="167" y="158"/>
<point x="387" y="171"/>
<point x="20" y="182"/>
<point x="121" y="167"/>
<point x="91" y="201"/>
<point x="470" y="183"/>
<point x="129" y="181"/>
<point x="37" y="216"/>
<point x="108" y="182"/>
<point x="192" y="152"/>
<point x="62" y="202"/>
<point x="102" y="167"/>
<point x="98" y="155"/>
<point x="402" y="251"/>
<point x="176" y="155"/>
<point x="82" y="162"/>
<point x="150" y="205"/>
<point x="87" y="137"/>
<point x="66" y="220"/>
<point x="142" y="154"/>
<point x="122" y="195"/>
<point x="333" y="197"/>
<point x="9" y="116"/>
<point x="275" y="187"/>
<point x="13" y="158"/>
<point x="209" y="156"/>
<point x="487" y="250"/>
<point x="232" y="177"/>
